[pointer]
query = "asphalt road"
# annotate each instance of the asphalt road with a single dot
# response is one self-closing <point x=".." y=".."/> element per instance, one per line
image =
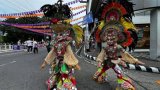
<point x="21" y="71"/>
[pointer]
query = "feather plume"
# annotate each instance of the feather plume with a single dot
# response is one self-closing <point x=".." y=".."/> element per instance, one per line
<point x="127" y="24"/>
<point x="100" y="26"/>
<point x="78" y="34"/>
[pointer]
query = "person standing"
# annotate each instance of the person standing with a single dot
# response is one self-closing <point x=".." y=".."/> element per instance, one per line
<point x="48" y="45"/>
<point x="18" y="44"/>
<point x="35" y="46"/>
<point x="29" y="45"/>
<point x="74" y="45"/>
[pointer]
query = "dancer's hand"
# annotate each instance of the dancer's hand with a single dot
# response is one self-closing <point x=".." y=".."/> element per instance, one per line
<point x="140" y="62"/>
<point x="43" y="65"/>
<point x="53" y="65"/>
<point x="99" y="64"/>
<point x="78" y="67"/>
<point x="123" y="63"/>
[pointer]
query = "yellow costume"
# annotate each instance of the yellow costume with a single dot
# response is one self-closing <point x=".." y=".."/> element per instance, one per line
<point x="61" y="58"/>
<point x="69" y="57"/>
<point x="115" y="29"/>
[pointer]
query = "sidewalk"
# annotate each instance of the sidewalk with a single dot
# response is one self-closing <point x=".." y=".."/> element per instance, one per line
<point x="6" y="51"/>
<point x="141" y="54"/>
<point x="142" y="80"/>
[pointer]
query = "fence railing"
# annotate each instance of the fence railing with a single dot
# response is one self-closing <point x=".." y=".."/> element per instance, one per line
<point x="6" y="47"/>
<point x="15" y="47"/>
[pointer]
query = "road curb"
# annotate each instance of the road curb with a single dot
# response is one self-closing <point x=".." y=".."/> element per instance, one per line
<point x="8" y="51"/>
<point x="132" y="66"/>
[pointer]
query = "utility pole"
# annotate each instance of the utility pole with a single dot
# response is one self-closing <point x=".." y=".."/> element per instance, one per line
<point x="87" y="27"/>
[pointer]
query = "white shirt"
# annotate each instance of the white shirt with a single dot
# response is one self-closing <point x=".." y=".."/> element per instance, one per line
<point x="19" y="42"/>
<point x="34" y="44"/>
<point x="29" y="43"/>
<point x="73" y="42"/>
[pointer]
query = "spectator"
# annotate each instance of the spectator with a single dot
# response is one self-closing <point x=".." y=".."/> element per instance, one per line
<point x="25" y="45"/>
<point x="48" y="45"/>
<point x="74" y="45"/>
<point x="29" y="45"/>
<point x="35" y="46"/>
<point x="18" y="44"/>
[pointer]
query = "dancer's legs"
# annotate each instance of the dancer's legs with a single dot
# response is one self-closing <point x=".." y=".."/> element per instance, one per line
<point x="124" y="82"/>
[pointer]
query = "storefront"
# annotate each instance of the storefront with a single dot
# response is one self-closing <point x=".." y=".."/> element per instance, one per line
<point x="143" y="36"/>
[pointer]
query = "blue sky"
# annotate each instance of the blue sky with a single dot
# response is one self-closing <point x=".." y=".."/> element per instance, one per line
<point x="17" y="6"/>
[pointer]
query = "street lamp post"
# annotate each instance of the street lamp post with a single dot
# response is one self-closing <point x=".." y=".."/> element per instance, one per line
<point x="89" y="2"/>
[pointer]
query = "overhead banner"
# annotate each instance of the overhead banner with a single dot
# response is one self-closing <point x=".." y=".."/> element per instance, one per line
<point x="37" y="12"/>
<point x="42" y="23"/>
<point x="78" y="7"/>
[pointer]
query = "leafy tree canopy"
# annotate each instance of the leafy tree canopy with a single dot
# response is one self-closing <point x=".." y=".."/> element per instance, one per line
<point x="14" y="34"/>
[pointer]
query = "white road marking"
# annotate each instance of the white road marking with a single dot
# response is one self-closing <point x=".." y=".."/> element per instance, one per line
<point x="12" y="62"/>
<point x="1" y="65"/>
<point x="11" y="53"/>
